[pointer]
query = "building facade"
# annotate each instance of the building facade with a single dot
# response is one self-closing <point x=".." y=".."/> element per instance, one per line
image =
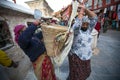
<point x="10" y="15"/>
<point x="42" y="5"/>
<point x="101" y="4"/>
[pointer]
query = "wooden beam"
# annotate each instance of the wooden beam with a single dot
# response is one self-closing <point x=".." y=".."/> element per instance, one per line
<point x="107" y="5"/>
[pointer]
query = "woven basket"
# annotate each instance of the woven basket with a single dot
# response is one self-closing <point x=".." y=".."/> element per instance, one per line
<point x="49" y="35"/>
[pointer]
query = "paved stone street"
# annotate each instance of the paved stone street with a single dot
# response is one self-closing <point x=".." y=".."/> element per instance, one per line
<point x="105" y="65"/>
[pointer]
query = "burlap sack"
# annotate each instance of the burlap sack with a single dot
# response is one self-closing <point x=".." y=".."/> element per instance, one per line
<point x="49" y="34"/>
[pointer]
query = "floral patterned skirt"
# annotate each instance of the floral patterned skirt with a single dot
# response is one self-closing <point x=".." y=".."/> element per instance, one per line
<point x="43" y="68"/>
<point x="79" y="69"/>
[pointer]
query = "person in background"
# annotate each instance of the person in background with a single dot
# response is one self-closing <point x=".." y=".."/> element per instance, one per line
<point x="5" y="61"/>
<point x="98" y="26"/>
<point x="33" y="46"/>
<point x="118" y="13"/>
<point x="81" y="51"/>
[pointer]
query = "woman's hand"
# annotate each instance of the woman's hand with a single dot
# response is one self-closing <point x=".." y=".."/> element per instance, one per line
<point x="82" y="5"/>
<point x="37" y="22"/>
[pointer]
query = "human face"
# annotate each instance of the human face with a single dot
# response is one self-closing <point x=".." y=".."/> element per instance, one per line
<point x="84" y="26"/>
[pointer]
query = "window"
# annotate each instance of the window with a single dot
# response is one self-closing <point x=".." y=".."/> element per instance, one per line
<point x="108" y="1"/>
<point x="116" y="0"/>
<point x="99" y="3"/>
<point x="89" y="4"/>
<point x="5" y="37"/>
<point x="90" y="7"/>
<point x="95" y="4"/>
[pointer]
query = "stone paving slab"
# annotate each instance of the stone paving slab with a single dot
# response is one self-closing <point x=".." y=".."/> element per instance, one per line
<point x="105" y="65"/>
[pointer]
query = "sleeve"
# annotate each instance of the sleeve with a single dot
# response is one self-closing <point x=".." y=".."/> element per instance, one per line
<point x="39" y="35"/>
<point x="93" y="21"/>
<point x="4" y="59"/>
<point x="26" y="36"/>
<point x="76" y="26"/>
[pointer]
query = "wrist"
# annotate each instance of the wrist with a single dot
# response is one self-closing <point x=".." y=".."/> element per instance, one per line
<point x="86" y="10"/>
<point x="37" y="22"/>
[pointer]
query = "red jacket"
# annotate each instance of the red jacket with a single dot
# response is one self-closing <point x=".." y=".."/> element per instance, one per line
<point x="98" y="26"/>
